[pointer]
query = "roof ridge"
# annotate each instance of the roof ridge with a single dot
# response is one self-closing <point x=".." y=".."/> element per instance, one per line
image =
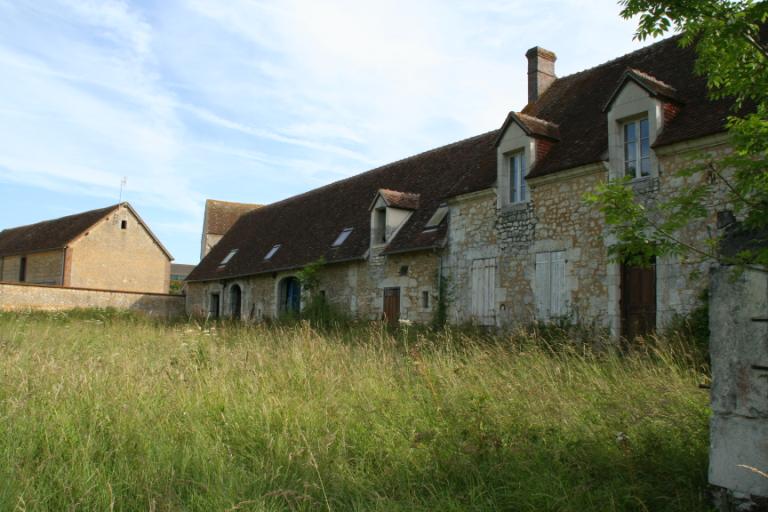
<point x="380" y="168"/>
<point x="634" y="53"/>
<point x="110" y="208"/>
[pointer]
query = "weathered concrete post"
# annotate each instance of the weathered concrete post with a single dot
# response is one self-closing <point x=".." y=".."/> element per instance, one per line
<point x="738" y="323"/>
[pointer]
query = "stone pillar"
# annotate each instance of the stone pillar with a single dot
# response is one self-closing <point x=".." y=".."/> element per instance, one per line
<point x="739" y="351"/>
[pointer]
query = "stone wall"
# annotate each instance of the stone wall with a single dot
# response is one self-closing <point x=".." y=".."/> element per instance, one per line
<point x="356" y="288"/>
<point x="110" y="257"/>
<point x="564" y="222"/>
<point x="42" y="268"/>
<point x="471" y="237"/>
<point x="738" y="323"/>
<point x="23" y="297"/>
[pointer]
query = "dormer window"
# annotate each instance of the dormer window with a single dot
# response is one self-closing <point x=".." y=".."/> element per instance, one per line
<point x="637" y="148"/>
<point x="389" y="212"/>
<point x="380" y="225"/>
<point x="517" y="189"/>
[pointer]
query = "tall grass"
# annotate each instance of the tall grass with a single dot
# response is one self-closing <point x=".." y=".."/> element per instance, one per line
<point x="112" y="412"/>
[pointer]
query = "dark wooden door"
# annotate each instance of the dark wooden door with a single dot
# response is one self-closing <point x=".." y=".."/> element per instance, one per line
<point x="392" y="305"/>
<point x="236" y="301"/>
<point x="638" y="300"/>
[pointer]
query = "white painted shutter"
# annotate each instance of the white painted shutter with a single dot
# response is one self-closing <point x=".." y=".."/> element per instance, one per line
<point x="543" y="286"/>
<point x="483" y="286"/>
<point x="490" y="297"/>
<point x="557" y="278"/>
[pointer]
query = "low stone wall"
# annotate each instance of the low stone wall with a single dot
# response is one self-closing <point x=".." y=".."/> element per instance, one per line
<point x="23" y="297"/>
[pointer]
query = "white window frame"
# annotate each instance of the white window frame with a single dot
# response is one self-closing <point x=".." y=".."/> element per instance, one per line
<point x="637" y="146"/>
<point x="518" y="189"/>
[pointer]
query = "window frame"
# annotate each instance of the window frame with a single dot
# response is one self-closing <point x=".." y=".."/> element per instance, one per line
<point x="517" y="192"/>
<point x="642" y="152"/>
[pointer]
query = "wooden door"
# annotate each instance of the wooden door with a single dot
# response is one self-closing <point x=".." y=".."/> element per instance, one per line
<point x="236" y="301"/>
<point x="214" y="306"/>
<point x="392" y="305"/>
<point x="638" y="300"/>
<point x="483" y="286"/>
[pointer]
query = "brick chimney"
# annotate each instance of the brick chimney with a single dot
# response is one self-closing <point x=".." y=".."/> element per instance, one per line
<point x="541" y="71"/>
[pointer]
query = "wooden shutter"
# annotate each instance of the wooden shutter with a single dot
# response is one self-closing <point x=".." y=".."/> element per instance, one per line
<point x="483" y="285"/>
<point x="542" y="285"/>
<point x="557" y="284"/>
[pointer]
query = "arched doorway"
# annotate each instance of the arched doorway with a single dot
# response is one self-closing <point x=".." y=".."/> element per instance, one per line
<point x="235" y="301"/>
<point x="289" y="295"/>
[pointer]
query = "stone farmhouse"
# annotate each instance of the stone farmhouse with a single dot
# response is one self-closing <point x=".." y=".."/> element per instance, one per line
<point x="110" y="248"/>
<point x="499" y="218"/>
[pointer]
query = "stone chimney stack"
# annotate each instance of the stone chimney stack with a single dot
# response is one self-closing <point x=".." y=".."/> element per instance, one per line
<point x="541" y="71"/>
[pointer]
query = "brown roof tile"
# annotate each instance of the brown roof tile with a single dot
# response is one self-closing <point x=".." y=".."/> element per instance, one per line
<point x="307" y="225"/>
<point x="575" y="104"/>
<point x="49" y="234"/>
<point x="403" y="200"/>
<point x="221" y="215"/>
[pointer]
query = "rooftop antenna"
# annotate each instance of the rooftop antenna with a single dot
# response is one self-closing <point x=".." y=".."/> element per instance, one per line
<point x="123" y="183"/>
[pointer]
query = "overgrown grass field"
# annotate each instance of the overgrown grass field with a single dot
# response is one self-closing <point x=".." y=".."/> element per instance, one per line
<point x="103" y="411"/>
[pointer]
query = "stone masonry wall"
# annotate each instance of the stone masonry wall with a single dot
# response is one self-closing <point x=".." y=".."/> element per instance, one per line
<point x="42" y="268"/>
<point x="471" y="236"/>
<point x="739" y="351"/>
<point x="24" y="297"/>
<point x="566" y="223"/>
<point x="355" y="288"/>
<point x="109" y="257"/>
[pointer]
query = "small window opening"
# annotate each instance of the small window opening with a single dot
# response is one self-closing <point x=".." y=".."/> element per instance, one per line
<point x="23" y="269"/>
<point x="124" y="224"/>
<point x="272" y="252"/>
<point x="322" y="294"/>
<point x="404" y="270"/>
<point x="380" y="225"/>
<point x="228" y="257"/>
<point x="425" y="299"/>
<point x="517" y="188"/>
<point x="342" y="237"/>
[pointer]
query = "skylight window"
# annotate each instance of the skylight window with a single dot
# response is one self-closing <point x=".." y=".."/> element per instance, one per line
<point x="342" y="237"/>
<point x="272" y="252"/>
<point x="228" y="257"/>
<point x="437" y="217"/>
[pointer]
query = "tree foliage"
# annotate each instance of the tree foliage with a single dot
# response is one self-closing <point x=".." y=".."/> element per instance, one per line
<point x="732" y="54"/>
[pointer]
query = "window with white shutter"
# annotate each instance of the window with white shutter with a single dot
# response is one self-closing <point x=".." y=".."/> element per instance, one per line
<point x="483" y="286"/>
<point x="550" y="290"/>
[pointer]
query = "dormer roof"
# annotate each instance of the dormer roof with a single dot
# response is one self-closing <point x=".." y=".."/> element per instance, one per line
<point x="532" y="126"/>
<point x="396" y="199"/>
<point x="652" y="85"/>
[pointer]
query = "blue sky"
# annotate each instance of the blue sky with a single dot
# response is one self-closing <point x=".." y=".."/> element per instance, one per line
<point x="253" y="101"/>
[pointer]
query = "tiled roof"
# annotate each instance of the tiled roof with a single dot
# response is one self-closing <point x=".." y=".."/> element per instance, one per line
<point x="181" y="269"/>
<point x="221" y="215"/>
<point x="402" y="200"/>
<point x="570" y="113"/>
<point x="306" y="225"/>
<point x="531" y="126"/>
<point x="49" y="234"/>
<point x="575" y="104"/>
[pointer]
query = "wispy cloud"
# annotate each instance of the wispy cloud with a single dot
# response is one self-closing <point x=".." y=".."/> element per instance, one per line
<point x="256" y="100"/>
